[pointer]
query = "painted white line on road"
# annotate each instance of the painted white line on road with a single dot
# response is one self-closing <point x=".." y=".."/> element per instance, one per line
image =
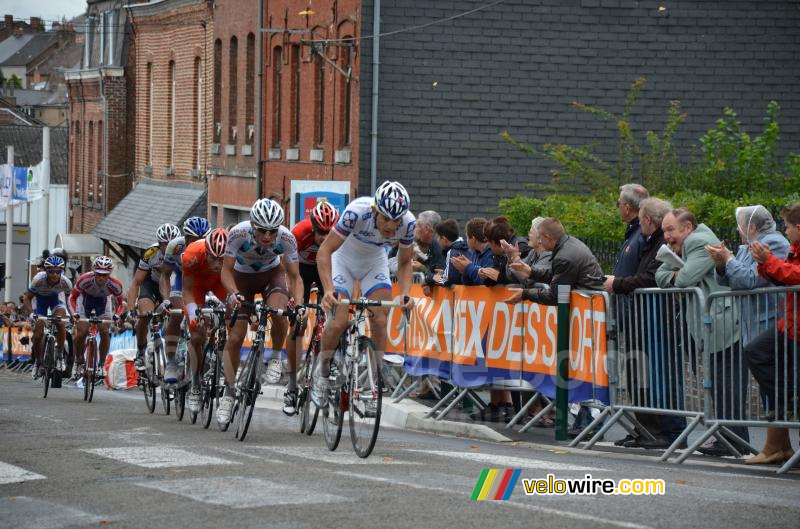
<point x="500" y="461"/>
<point x="345" y="457"/>
<point x="525" y="506"/>
<point x="241" y="492"/>
<point x="243" y="454"/>
<point x="158" y="457"/>
<point x="12" y="474"/>
<point x="22" y="512"/>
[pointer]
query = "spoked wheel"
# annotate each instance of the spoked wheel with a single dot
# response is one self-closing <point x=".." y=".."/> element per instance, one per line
<point x="308" y="410"/>
<point x="365" y="398"/>
<point x="180" y="402"/>
<point x="47" y="364"/>
<point x="89" y="370"/>
<point x="246" y="401"/>
<point x="333" y="417"/>
<point x="166" y="397"/>
<point x="208" y="392"/>
<point x="148" y="385"/>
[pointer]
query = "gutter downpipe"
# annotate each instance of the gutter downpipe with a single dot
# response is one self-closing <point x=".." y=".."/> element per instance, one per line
<point x="259" y="103"/>
<point x="376" y="41"/>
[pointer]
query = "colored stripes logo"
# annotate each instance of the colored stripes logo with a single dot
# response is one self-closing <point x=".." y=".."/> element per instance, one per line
<point x="494" y="484"/>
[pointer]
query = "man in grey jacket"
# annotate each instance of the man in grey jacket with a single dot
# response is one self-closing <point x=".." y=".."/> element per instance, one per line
<point x="572" y="263"/>
<point x="688" y="239"/>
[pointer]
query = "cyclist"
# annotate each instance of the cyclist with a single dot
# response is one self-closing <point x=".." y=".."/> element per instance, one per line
<point x="202" y="263"/>
<point x="261" y="256"/>
<point x="367" y="226"/>
<point x="170" y="288"/>
<point x="48" y="289"/>
<point x="310" y="233"/>
<point x="144" y="293"/>
<point x="93" y="291"/>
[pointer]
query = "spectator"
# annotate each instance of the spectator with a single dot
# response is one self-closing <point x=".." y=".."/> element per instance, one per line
<point x="463" y="267"/>
<point x="505" y="247"/>
<point x="572" y="264"/>
<point x="451" y="244"/>
<point x="740" y="272"/>
<point x="664" y="428"/>
<point x="433" y="259"/>
<point x="769" y="358"/>
<point x="630" y="254"/>
<point x="520" y="267"/>
<point x="688" y="239"/>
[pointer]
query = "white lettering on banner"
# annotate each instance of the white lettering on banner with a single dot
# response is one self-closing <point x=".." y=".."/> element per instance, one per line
<point x="433" y="342"/>
<point x="395" y="335"/>
<point x="468" y="315"/>
<point x="533" y="352"/>
<point x="588" y="332"/>
<point x="551" y="313"/>
<point x="496" y="326"/>
<point x="516" y="330"/>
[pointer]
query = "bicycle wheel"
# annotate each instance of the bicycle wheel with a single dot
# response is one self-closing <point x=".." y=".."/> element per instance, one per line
<point x="149" y="387"/>
<point x="47" y="364"/>
<point x="309" y="412"/>
<point x="180" y="402"/>
<point x="246" y="401"/>
<point x="166" y="397"/>
<point x="333" y="417"/>
<point x="209" y="389"/>
<point x="90" y="367"/>
<point x="366" y="390"/>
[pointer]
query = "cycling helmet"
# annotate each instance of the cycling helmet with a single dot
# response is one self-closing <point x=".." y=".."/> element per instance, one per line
<point x="391" y="199"/>
<point x="217" y="242"/>
<point x="195" y="227"/>
<point x="166" y="232"/>
<point x="56" y="262"/>
<point x="103" y="265"/>
<point x="324" y="216"/>
<point x="61" y="252"/>
<point x="266" y="214"/>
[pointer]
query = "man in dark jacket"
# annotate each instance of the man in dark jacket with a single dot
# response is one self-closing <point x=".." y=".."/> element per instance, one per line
<point x="573" y="264"/>
<point x="630" y="198"/>
<point x="425" y="235"/>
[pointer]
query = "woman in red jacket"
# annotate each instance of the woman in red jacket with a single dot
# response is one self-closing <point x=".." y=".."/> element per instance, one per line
<point x="764" y="352"/>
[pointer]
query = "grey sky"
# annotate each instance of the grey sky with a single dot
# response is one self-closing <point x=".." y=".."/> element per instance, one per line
<point x="48" y="10"/>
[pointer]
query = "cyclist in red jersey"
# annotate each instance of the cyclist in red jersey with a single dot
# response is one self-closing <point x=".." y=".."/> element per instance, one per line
<point x="202" y="264"/>
<point x="93" y="292"/>
<point x="310" y="233"/>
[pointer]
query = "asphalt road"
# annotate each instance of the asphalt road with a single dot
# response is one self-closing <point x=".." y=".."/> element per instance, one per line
<point x="66" y="463"/>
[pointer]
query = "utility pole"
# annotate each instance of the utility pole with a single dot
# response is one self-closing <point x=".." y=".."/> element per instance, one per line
<point x="9" y="223"/>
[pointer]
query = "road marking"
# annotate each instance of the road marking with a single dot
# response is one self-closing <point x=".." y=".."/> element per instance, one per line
<point x="12" y="474"/>
<point x="519" y="505"/>
<point x="241" y="492"/>
<point x="500" y="461"/>
<point x="22" y="512"/>
<point x="244" y="454"/>
<point x="337" y="458"/>
<point x="158" y="456"/>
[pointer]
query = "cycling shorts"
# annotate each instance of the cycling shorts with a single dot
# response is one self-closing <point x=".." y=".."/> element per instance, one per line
<point x="372" y="274"/>
<point x="272" y="281"/>
<point x="51" y="301"/>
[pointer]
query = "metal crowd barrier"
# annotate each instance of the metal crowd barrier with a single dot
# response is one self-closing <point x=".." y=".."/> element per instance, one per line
<point x="657" y="366"/>
<point x="742" y="342"/>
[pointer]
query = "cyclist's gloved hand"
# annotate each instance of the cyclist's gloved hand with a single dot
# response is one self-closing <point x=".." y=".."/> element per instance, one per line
<point x="234" y="300"/>
<point x="330" y="300"/>
<point x="164" y="306"/>
<point x="301" y="313"/>
<point x="191" y="311"/>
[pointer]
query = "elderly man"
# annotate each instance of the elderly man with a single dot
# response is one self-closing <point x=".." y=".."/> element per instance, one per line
<point x="688" y="239"/>
<point x="572" y="263"/>
<point x="628" y="204"/>
<point x="425" y="237"/>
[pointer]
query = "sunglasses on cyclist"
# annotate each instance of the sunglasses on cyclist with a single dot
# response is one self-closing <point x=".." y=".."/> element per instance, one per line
<point x="264" y="231"/>
<point x="54" y="271"/>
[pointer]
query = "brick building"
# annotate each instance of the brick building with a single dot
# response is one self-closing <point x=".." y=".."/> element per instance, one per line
<point x="311" y="88"/>
<point x="233" y="152"/>
<point x="100" y="93"/>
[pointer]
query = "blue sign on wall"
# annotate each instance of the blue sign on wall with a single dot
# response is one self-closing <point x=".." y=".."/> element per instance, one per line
<point x="306" y="202"/>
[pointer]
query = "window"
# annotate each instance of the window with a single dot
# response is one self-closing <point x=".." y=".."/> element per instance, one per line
<point x="295" y="141"/>
<point x="171" y="122"/>
<point x="217" y="91"/>
<point x="277" y="74"/>
<point x="249" y="96"/>
<point x="319" y="89"/>
<point x="233" y="73"/>
<point x="99" y="161"/>
<point x="149" y="116"/>
<point x="198" y="106"/>
<point x="90" y="171"/>
<point x="346" y="59"/>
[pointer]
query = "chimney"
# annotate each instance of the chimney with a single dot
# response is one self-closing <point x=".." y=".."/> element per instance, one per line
<point x="9" y="22"/>
<point x="36" y="24"/>
<point x="37" y="77"/>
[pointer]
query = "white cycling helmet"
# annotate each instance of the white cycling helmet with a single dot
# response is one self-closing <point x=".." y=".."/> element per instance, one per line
<point x="166" y="232"/>
<point x="266" y="214"/>
<point x="391" y="199"/>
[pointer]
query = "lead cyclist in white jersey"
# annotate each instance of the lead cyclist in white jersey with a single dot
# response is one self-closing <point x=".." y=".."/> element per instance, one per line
<point x="357" y="253"/>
